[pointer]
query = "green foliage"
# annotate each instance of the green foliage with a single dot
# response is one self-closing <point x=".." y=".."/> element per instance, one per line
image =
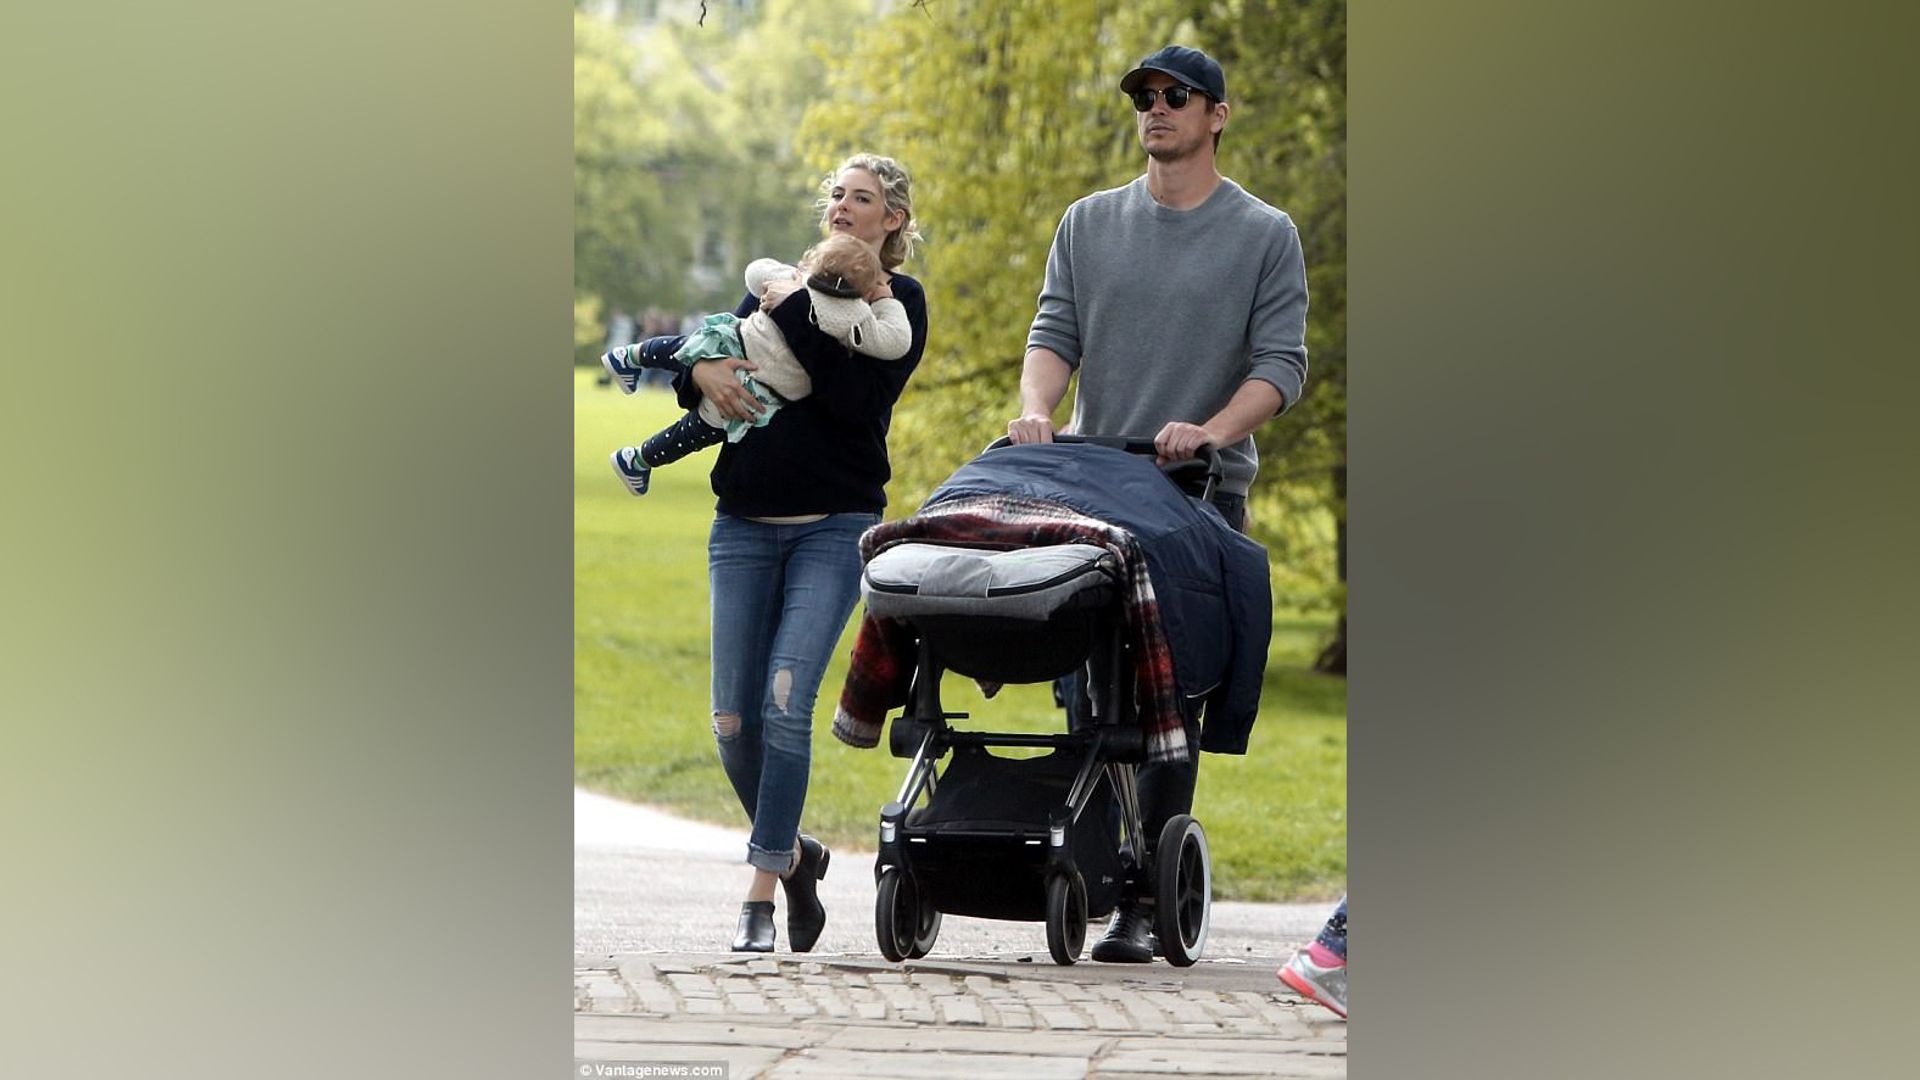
<point x="620" y="201"/>
<point x="1286" y="63"/>
<point x="684" y="161"/>
<point x="589" y="323"/>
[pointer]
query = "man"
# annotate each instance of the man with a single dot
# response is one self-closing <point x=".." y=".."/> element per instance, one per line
<point x="1181" y="300"/>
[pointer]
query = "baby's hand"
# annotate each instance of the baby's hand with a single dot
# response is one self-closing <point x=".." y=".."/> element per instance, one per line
<point x="880" y="291"/>
<point x="778" y="291"/>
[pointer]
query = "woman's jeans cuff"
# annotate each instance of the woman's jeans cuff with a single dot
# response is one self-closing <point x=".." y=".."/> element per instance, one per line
<point x="776" y="862"/>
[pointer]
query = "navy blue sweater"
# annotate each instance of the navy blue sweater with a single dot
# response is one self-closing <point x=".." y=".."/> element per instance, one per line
<point x="827" y="452"/>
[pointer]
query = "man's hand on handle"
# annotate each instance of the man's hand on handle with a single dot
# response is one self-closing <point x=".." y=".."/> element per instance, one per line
<point x="1043" y="382"/>
<point x="1256" y="402"/>
<point x="1031" y="429"/>
<point x="1179" y="441"/>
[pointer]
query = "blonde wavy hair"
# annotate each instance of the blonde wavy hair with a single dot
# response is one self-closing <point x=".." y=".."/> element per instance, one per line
<point x="896" y="188"/>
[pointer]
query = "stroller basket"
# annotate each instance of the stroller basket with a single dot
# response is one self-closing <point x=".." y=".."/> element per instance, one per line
<point x="990" y="824"/>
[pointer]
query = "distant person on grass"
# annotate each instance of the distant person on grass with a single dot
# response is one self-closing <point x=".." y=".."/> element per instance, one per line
<point x="783" y="558"/>
<point x="848" y="298"/>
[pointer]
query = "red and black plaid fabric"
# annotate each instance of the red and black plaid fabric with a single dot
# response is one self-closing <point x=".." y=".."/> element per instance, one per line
<point x="883" y="653"/>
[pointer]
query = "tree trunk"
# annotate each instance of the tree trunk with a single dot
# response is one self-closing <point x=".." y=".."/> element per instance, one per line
<point x="1333" y="659"/>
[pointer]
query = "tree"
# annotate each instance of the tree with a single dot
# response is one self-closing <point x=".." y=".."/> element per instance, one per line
<point x="622" y="147"/>
<point x="1288" y="139"/>
<point x="684" y="163"/>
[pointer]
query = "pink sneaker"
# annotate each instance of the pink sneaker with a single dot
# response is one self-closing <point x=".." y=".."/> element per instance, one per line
<point x="1317" y="973"/>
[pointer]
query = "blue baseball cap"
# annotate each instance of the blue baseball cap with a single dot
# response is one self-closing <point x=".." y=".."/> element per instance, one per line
<point x="1191" y="66"/>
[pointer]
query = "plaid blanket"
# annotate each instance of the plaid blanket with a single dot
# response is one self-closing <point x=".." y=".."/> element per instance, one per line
<point x="884" y="651"/>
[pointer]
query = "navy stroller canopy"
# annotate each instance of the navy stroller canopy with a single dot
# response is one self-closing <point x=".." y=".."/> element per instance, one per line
<point x="1216" y="602"/>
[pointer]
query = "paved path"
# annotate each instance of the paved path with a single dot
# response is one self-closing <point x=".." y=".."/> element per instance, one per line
<point x="655" y="900"/>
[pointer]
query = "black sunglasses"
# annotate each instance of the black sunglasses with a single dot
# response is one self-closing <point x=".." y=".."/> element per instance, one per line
<point x="1176" y="97"/>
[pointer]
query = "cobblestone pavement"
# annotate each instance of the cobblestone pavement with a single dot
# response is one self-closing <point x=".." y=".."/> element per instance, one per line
<point x="790" y="1016"/>
<point x="655" y="896"/>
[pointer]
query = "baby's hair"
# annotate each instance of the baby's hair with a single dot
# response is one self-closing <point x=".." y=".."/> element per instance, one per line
<point x="846" y="256"/>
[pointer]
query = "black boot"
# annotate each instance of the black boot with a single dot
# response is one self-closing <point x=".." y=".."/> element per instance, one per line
<point x="1129" y="937"/>
<point x="806" y="915"/>
<point x="756" y="927"/>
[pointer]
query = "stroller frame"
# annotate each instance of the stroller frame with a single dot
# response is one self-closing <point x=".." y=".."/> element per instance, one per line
<point x="907" y="922"/>
<point x="1076" y="848"/>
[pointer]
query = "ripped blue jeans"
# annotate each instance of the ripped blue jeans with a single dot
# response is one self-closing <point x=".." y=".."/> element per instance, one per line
<point x="781" y="595"/>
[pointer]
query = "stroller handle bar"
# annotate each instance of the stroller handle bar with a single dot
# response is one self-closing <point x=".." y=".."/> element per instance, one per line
<point x="1205" y="458"/>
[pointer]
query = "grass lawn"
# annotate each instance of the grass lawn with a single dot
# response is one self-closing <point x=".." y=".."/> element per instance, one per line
<point x="1276" y="819"/>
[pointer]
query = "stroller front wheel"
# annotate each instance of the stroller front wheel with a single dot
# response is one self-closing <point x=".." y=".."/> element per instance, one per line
<point x="893" y="914"/>
<point x="1183" y="890"/>
<point x="1066" y="916"/>
<point x="903" y="921"/>
<point x="928" y="930"/>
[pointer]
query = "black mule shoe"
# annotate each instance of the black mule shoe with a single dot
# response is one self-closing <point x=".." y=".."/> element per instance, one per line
<point x="806" y="915"/>
<point x="756" y="927"/>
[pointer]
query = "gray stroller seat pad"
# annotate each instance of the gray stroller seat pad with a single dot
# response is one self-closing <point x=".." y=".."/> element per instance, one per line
<point x="913" y="579"/>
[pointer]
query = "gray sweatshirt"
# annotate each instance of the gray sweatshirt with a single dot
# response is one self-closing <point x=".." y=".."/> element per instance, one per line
<point x="1165" y="313"/>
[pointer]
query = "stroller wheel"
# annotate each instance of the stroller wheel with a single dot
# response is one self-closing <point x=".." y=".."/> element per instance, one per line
<point x="1066" y="916"/>
<point x="1183" y="890"/>
<point x="928" y="929"/>
<point x="896" y="914"/>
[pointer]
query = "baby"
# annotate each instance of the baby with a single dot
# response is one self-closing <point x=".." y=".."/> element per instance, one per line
<point x="840" y="273"/>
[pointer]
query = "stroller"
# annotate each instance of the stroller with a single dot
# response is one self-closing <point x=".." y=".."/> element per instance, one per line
<point x="1056" y="838"/>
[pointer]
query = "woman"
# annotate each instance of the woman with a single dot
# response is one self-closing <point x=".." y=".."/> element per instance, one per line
<point x="783" y="558"/>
